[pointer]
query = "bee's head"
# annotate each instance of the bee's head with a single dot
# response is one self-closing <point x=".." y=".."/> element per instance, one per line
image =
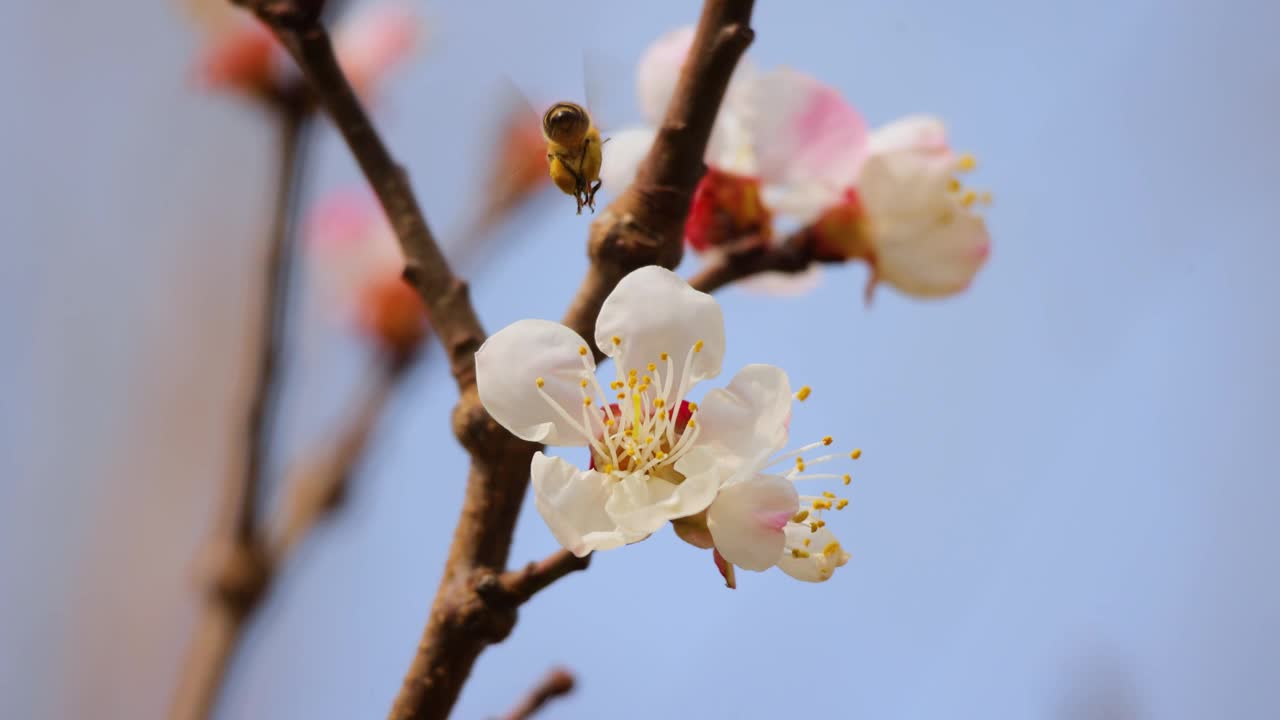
<point x="565" y="123"/>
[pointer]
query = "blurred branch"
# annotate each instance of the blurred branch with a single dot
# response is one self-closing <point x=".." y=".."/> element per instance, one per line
<point x="558" y="682"/>
<point x="793" y="255"/>
<point x="473" y="608"/>
<point x="240" y="566"/>
<point x="319" y="487"/>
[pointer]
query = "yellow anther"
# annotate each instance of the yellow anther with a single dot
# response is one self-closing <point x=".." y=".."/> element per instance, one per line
<point x="985" y="197"/>
<point x="813" y="526"/>
<point x="807" y="541"/>
<point x="828" y="495"/>
<point x="660" y="455"/>
<point x="608" y="422"/>
<point x="798" y="553"/>
<point x="648" y="440"/>
<point x="631" y="452"/>
<point x="663" y="356"/>
<point x="631" y="381"/>
<point x="954" y="185"/>
<point x="820" y="523"/>
<point x="659" y="403"/>
<point x="844" y="503"/>
<point x="629" y="432"/>
<point x="693" y="423"/>
<point x="615" y="385"/>
<point x="651" y="367"/>
<point x="631" y="373"/>
<point x="616" y="340"/>
<point x="966" y="162"/>
<point x="827" y="440"/>
<point x="800" y="516"/>
<point x="693" y="407"/>
<point x="969" y="198"/>
<point x="857" y="453"/>
<point x="824" y="573"/>
<point x="582" y="350"/>
<point x="608" y="468"/>
<point x="847" y="479"/>
<point x="583" y="383"/>
<point x="586" y="402"/>
<point x="803" y="393"/>
<point x="539" y="382"/>
<point x="821" y="504"/>
<point x="831" y="549"/>
<point x="800" y="465"/>
<point x="621" y="395"/>
<point x="697" y="347"/>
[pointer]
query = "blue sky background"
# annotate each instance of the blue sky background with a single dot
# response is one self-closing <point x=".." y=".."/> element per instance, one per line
<point x="1068" y="491"/>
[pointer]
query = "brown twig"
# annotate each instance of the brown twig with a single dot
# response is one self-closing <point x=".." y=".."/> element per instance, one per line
<point x="320" y="486"/>
<point x="239" y="563"/>
<point x="793" y="255"/>
<point x="558" y="682"/>
<point x="474" y="607"/>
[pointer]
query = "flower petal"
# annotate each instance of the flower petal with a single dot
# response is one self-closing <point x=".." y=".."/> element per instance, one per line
<point x="824" y="554"/>
<point x="747" y="520"/>
<point x="370" y="45"/>
<point x="654" y="311"/>
<point x="572" y="502"/>
<point x="643" y="503"/>
<point x="623" y="154"/>
<point x="804" y="131"/>
<point x="659" y="71"/>
<point x="933" y="261"/>
<point x="748" y="417"/>
<point x="508" y="366"/>
<point x="917" y="133"/>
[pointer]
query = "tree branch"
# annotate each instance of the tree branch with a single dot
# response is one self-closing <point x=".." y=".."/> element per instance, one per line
<point x="558" y="682"/>
<point x="239" y="571"/>
<point x="793" y="255"/>
<point x="642" y="227"/>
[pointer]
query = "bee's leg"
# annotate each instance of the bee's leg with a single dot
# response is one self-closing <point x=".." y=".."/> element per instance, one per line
<point x="591" y="193"/>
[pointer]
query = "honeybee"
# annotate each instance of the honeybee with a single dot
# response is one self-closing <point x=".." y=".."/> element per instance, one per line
<point x="574" y="151"/>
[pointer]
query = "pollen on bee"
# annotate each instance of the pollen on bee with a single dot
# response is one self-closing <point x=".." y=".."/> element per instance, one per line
<point x="966" y="162"/>
<point x="539" y="382"/>
<point x="803" y="393"/>
<point x="857" y="453"/>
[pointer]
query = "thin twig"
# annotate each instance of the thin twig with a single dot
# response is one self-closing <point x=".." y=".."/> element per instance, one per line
<point x="319" y="487"/>
<point x="239" y="568"/>
<point x="793" y="255"/>
<point x="558" y="682"/>
<point x="472" y="609"/>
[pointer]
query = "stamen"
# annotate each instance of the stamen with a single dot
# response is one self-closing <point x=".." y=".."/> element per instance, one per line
<point x="846" y="479"/>
<point x="842" y="504"/>
<point x="857" y="453"/>
<point x="539" y="382"/>
<point x="966" y="162"/>
<point x="800" y="516"/>
<point x="803" y="393"/>
<point x="582" y="350"/>
<point x="827" y="440"/>
<point x="616" y="340"/>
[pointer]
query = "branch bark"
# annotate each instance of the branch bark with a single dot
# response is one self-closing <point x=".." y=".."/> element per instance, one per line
<point x="239" y="563"/>
<point x="793" y="255"/>
<point x="558" y="682"/>
<point x="476" y="603"/>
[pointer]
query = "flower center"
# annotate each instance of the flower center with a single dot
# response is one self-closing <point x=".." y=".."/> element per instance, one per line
<point x="644" y="424"/>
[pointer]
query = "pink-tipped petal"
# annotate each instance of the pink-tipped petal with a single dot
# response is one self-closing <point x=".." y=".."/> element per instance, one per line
<point x="804" y="132"/>
<point x="747" y="520"/>
<point x="370" y="46"/>
<point x="659" y="70"/>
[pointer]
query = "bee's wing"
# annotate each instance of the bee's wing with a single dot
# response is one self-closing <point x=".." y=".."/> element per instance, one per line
<point x="608" y="85"/>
